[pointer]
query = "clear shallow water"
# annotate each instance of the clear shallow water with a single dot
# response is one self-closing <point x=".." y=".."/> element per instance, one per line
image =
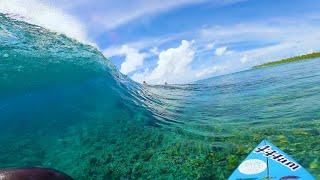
<point x="63" y="105"/>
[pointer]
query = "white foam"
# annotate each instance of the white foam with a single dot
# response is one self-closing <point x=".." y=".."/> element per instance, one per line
<point x="45" y="15"/>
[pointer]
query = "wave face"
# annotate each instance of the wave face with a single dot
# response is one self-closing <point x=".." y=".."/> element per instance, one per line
<point x="63" y="105"/>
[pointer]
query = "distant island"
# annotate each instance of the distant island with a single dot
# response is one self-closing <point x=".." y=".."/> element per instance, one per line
<point x="291" y="59"/>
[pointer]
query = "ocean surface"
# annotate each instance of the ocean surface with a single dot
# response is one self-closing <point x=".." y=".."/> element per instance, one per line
<point x="63" y="105"/>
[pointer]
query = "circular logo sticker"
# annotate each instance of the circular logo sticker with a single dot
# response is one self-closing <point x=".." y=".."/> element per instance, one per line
<point x="252" y="166"/>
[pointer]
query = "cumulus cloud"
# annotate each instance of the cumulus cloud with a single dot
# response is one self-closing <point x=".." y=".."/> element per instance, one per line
<point x="143" y="76"/>
<point x="221" y="51"/>
<point x="133" y="58"/>
<point x="252" y="43"/>
<point x="172" y="65"/>
<point x="42" y="14"/>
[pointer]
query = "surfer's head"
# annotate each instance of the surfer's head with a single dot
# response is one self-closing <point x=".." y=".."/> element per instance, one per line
<point x="32" y="174"/>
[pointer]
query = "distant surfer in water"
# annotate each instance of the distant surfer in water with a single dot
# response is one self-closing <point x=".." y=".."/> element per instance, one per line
<point x="144" y="83"/>
<point x="34" y="173"/>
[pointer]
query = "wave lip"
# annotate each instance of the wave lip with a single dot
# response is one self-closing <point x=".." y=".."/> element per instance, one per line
<point x="35" y="60"/>
<point x="46" y="16"/>
<point x="33" y="57"/>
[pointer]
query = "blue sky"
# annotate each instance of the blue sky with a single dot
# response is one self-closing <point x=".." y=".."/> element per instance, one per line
<point x="183" y="40"/>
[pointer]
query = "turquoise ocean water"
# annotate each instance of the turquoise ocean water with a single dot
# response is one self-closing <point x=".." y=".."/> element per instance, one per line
<point x="64" y="105"/>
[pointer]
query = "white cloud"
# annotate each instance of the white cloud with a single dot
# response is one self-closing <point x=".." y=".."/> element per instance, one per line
<point x="111" y="14"/>
<point x="277" y="51"/>
<point x="42" y="14"/>
<point x="244" y="59"/>
<point x="209" y="71"/>
<point x="241" y="32"/>
<point x="133" y="58"/>
<point x="253" y="43"/>
<point x="172" y="66"/>
<point x="142" y="76"/>
<point x="154" y="51"/>
<point x="210" y="46"/>
<point x="221" y="51"/>
<point x="260" y="41"/>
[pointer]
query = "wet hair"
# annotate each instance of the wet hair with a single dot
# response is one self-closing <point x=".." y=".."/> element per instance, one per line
<point x="33" y="173"/>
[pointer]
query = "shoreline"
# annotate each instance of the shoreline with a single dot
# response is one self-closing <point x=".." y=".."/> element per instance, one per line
<point x="289" y="60"/>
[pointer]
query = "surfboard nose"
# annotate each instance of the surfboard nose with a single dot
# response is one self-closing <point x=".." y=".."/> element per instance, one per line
<point x="33" y="173"/>
<point x="267" y="161"/>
